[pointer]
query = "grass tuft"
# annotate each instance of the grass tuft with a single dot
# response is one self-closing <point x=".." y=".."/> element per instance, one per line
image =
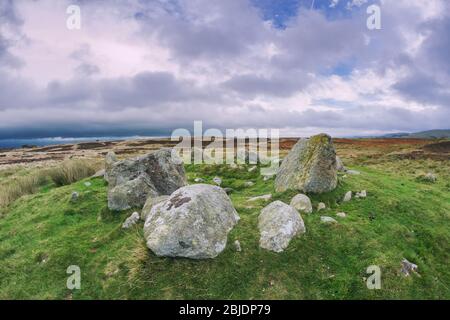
<point x="71" y="171"/>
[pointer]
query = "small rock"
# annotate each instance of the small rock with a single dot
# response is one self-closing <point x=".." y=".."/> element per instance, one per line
<point x="327" y="220"/>
<point x="302" y="203"/>
<point x="131" y="221"/>
<point x="233" y="165"/>
<point x="408" y="267"/>
<point x="341" y="214"/>
<point x="339" y="165"/>
<point x="348" y="196"/>
<point x="237" y="246"/>
<point x="252" y="169"/>
<point x="264" y="197"/>
<point x="217" y="181"/>
<point x="429" y="177"/>
<point x="99" y="174"/>
<point x="353" y="172"/>
<point x="74" y="196"/>
<point x="278" y="223"/>
<point x="267" y="178"/>
<point x="321" y="206"/>
<point x="249" y="184"/>
<point x="362" y="194"/>
<point x="199" y="180"/>
<point x="87" y="184"/>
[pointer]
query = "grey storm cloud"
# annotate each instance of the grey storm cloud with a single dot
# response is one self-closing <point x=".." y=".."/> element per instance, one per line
<point x="429" y="77"/>
<point x="228" y="67"/>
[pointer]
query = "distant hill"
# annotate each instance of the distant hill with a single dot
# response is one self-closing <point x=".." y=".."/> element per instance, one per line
<point x="430" y="134"/>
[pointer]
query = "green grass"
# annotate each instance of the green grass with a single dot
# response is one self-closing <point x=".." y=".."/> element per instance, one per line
<point x="42" y="234"/>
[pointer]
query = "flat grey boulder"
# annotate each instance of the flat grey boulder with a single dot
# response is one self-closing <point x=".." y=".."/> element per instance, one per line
<point x="132" y="181"/>
<point x="302" y="203"/>
<point x="278" y="223"/>
<point x="309" y="167"/>
<point x="193" y="222"/>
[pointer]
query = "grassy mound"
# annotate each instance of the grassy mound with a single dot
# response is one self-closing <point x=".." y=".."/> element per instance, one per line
<point x="41" y="235"/>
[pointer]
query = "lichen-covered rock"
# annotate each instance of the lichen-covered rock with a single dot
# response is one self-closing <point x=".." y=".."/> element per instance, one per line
<point x="110" y="159"/>
<point x="149" y="205"/>
<point x="131" y="194"/>
<point x="132" y="181"/>
<point x="339" y="165"/>
<point x="278" y="223"/>
<point x="321" y="206"/>
<point x="309" y="167"/>
<point x="193" y="222"/>
<point x="302" y="203"/>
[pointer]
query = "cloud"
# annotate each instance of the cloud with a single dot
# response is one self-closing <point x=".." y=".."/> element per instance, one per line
<point x="141" y="67"/>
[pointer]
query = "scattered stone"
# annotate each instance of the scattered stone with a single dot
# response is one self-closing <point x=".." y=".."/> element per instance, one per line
<point x="408" y="267"/>
<point x="341" y="214"/>
<point x="265" y="197"/>
<point x="252" y="169"/>
<point x="249" y="184"/>
<point x="74" y="197"/>
<point x="353" y="172"/>
<point x="348" y="196"/>
<point x="267" y="178"/>
<point x="309" y="167"/>
<point x="361" y="194"/>
<point x="429" y="177"/>
<point x="199" y="180"/>
<point x="149" y="205"/>
<point x="339" y="165"/>
<point x="132" y="181"/>
<point x="233" y="165"/>
<point x="131" y="221"/>
<point x="321" y="206"/>
<point x="87" y="184"/>
<point x="237" y="246"/>
<point x="328" y="220"/>
<point x="302" y="203"/>
<point x="193" y="222"/>
<point x="278" y="223"/>
<point x="217" y="181"/>
<point x="99" y="174"/>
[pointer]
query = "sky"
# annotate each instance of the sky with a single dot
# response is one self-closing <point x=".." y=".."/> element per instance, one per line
<point x="148" y="67"/>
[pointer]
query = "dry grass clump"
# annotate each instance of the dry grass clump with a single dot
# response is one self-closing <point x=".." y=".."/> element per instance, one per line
<point x="21" y="186"/>
<point x="66" y="173"/>
<point x="70" y="171"/>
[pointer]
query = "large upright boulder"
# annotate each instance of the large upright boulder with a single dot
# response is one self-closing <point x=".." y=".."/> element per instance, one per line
<point x="132" y="181"/>
<point x="193" y="222"/>
<point x="309" y="167"/>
